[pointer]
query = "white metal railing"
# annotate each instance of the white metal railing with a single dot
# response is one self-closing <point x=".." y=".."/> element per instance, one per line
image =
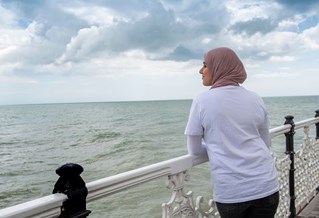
<point x="183" y="204"/>
<point x="49" y="206"/>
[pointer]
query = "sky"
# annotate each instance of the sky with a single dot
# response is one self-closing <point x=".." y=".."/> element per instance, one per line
<point x="58" y="51"/>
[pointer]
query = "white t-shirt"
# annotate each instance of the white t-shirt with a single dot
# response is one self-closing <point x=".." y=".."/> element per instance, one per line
<point x="234" y="126"/>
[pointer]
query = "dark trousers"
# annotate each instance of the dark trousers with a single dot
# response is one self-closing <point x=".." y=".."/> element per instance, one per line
<point x="259" y="208"/>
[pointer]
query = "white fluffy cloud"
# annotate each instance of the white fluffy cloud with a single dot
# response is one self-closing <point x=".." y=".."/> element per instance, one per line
<point x="310" y="38"/>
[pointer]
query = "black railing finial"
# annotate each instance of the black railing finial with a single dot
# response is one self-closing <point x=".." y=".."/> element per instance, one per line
<point x="71" y="184"/>
<point x="290" y="135"/>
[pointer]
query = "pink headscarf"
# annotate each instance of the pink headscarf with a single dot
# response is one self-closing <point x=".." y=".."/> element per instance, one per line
<point x="225" y="67"/>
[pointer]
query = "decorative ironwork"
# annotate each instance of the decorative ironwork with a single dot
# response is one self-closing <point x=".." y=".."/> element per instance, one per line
<point x="180" y="204"/>
<point x="283" y="166"/>
<point x="307" y="170"/>
<point x="212" y="211"/>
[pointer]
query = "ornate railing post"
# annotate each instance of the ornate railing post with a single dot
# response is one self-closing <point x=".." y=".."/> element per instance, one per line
<point x="71" y="184"/>
<point x="317" y="125"/>
<point x="181" y="204"/>
<point x="290" y="151"/>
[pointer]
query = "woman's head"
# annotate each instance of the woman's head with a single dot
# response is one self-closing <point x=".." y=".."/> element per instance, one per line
<point x="222" y="67"/>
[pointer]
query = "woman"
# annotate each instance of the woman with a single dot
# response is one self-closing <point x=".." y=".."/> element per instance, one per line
<point x="231" y="124"/>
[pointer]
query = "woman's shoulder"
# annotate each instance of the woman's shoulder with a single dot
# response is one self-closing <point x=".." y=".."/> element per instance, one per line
<point x="202" y="95"/>
<point x="256" y="97"/>
<point x="226" y="92"/>
<point x="250" y="92"/>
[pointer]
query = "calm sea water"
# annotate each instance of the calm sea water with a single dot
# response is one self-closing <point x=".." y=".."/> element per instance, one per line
<point x="106" y="139"/>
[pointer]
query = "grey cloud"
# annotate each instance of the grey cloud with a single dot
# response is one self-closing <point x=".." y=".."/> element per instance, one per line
<point x="299" y="5"/>
<point x="48" y="13"/>
<point x="155" y="31"/>
<point x="254" y="26"/>
<point x="254" y="54"/>
<point x="127" y="6"/>
<point x="54" y="29"/>
<point x="182" y="53"/>
<point x="151" y="34"/>
<point x="158" y="31"/>
<point x="161" y="30"/>
<point x="167" y="27"/>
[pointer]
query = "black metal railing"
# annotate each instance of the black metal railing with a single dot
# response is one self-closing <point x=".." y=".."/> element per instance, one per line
<point x="290" y="151"/>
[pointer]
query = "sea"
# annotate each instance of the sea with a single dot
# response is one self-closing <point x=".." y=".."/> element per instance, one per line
<point x="108" y="138"/>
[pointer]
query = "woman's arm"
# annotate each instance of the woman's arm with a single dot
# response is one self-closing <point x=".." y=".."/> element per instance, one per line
<point x="195" y="145"/>
<point x="264" y="134"/>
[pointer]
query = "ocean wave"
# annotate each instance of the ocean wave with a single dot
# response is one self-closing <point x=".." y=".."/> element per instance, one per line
<point x="105" y="136"/>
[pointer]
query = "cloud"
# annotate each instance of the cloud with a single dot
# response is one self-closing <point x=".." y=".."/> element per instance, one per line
<point x="182" y="54"/>
<point x="310" y="38"/>
<point x="298" y="5"/>
<point x="308" y="22"/>
<point x="152" y="33"/>
<point x="256" y="25"/>
<point x="25" y="48"/>
<point x="6" y="17"/>
<point x="126" y="39"/>
<point x="128" y="63"/>
<point x="16" y="80"/>
<point x="290" y="24"/>
<point x="275" y="75"/>
<point x="158" y="32"/>
<point x="93" y="15"/>
<point x="81" y="45"/>
<point x="282" y="58"/>
<point x="162" y="30"/>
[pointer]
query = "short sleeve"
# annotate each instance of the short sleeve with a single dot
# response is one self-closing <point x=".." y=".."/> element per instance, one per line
<point x="194" y="124"/>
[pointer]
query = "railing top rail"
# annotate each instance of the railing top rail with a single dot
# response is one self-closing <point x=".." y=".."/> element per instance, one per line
<point x="50" y="205"/>
<point x="277" y="131"/>
<point x="109" y="185"/>
<point x="307" y="122"/>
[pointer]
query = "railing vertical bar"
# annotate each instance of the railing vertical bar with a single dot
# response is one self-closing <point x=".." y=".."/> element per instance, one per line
<point x="290" y="151"/>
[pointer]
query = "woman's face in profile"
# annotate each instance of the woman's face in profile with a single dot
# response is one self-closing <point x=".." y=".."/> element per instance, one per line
<point x="206" y="76"/>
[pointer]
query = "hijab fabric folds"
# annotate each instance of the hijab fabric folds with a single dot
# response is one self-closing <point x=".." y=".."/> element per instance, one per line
<point x="225" y="67"/>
